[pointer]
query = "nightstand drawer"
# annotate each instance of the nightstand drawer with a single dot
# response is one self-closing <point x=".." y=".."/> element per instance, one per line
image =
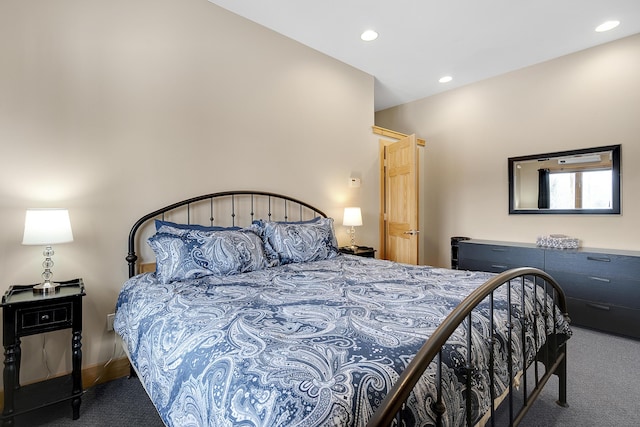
<point x="32" y="320"/>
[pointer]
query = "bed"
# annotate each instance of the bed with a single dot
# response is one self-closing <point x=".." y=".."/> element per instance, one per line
<point x="251" y="316"/>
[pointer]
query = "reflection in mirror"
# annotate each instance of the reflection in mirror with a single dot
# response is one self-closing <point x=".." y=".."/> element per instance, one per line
<point x="577" y="181"/>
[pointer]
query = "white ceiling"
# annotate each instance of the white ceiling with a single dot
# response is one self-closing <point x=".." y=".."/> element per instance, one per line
<point x="423" y="40"/>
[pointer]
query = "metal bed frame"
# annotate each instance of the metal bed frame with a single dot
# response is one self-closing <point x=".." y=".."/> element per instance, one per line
<point x="552" y="354"/>
<point x="288" y="206"/>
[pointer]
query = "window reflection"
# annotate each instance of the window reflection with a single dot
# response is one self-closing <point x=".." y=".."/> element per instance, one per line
<point x="580" y="190"/>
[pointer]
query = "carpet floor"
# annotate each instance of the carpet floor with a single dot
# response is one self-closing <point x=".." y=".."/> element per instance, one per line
<point x="603" y="390"/>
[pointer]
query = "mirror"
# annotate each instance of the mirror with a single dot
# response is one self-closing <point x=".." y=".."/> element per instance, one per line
<point x="585" y="181"/>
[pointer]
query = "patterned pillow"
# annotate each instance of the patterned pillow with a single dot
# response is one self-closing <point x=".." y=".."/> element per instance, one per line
<point x="304" y="241"/>
<point x="203" y="253"/>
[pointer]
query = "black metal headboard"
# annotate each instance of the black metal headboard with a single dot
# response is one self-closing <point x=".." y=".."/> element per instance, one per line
<point x="228" y="208"/>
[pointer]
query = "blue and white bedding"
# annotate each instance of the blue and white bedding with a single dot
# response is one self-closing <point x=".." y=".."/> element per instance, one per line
<point x="315" y="343"/>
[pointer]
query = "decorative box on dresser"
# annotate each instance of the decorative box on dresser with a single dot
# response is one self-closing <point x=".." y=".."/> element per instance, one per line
<point x="602" y="285"/>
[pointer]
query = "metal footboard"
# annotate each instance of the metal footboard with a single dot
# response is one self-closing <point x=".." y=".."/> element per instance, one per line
<point x="552" y="353"/>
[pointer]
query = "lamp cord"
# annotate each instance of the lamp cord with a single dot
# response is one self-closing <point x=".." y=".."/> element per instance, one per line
<point x="108" y="362"/>
<point x="45" y="358"/>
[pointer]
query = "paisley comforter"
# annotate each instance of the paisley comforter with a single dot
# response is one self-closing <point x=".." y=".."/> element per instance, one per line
<point x="310" y="344"/>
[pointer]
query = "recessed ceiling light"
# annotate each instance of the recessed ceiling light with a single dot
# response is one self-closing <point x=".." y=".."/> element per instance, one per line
<point x="606" y="26"/>
<point x="369" y="35"/>
<point x="445" y="79"/>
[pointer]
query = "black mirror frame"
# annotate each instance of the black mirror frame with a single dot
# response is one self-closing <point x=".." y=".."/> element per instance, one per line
<point x="616" y="179"/>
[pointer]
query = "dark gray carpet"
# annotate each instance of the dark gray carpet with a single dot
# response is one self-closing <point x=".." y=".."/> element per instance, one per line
<point x="603" y="390"/>
<point x="122" y="402"/>
<point x="603" y="385"/>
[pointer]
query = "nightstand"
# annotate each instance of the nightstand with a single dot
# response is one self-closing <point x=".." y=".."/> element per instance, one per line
<point x="26" y="313"/>
<point x="363" y="251"/>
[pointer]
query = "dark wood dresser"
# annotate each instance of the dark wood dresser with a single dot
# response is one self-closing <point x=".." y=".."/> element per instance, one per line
<point x="602" y="285"/>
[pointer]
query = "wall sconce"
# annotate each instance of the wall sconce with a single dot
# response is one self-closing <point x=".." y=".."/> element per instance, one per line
<point x="352" y="218"/>
<point x="46" y="227"/>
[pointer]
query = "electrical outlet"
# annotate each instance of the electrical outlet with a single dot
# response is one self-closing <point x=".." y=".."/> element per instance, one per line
<point x="110" y="318"/>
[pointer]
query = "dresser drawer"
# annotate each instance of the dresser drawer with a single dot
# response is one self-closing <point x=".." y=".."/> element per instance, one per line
<point x="39" y="319"/>
<point x="618" y="291"/>
<point x="605" y="317"/>
<point x="593" y="264"/>
<point x="497" y="258"/>
<point x="482" y="265"/>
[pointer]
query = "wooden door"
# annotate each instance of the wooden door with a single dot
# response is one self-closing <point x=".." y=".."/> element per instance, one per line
<point x="401" y="201"/>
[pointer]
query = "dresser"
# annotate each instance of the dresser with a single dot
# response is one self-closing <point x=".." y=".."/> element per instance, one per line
<point x="602" y="286"/>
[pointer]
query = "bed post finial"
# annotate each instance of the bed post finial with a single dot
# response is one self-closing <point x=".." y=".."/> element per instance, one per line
<point x="131" y="260"/>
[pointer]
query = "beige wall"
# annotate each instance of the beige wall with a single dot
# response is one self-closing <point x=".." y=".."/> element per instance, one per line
<point x="587" y="99"/>
<point x="116" y="108"/>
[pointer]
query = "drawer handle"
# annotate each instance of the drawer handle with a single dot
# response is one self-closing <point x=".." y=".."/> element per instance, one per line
<point x="599" y="306"/>
<point x="498" y="266"/>
<point x="600" y="279"/>
<point x="498" y="250"/>
<point x="44" y="317"/>
<point x="601" y="259"/>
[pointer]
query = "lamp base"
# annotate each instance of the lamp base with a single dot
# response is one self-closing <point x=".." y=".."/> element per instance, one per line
<point x="352" y="234"/>
<point x="46" y="288"/>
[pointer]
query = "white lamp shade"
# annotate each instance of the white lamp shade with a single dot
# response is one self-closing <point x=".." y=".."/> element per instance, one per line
<point x="47" y="226"/>
<point x="352" y="217"/>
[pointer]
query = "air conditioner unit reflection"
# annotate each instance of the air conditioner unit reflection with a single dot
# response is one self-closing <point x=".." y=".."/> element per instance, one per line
<point x="592" y="158"/>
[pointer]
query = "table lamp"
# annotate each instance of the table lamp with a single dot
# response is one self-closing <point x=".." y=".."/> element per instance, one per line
<point x="352" y="218"/>
<point x="47" y="227"/>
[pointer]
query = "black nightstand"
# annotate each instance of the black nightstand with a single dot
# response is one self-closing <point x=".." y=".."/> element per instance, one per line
<point x="364" y="251"/>
<point x="26" y="313"/>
